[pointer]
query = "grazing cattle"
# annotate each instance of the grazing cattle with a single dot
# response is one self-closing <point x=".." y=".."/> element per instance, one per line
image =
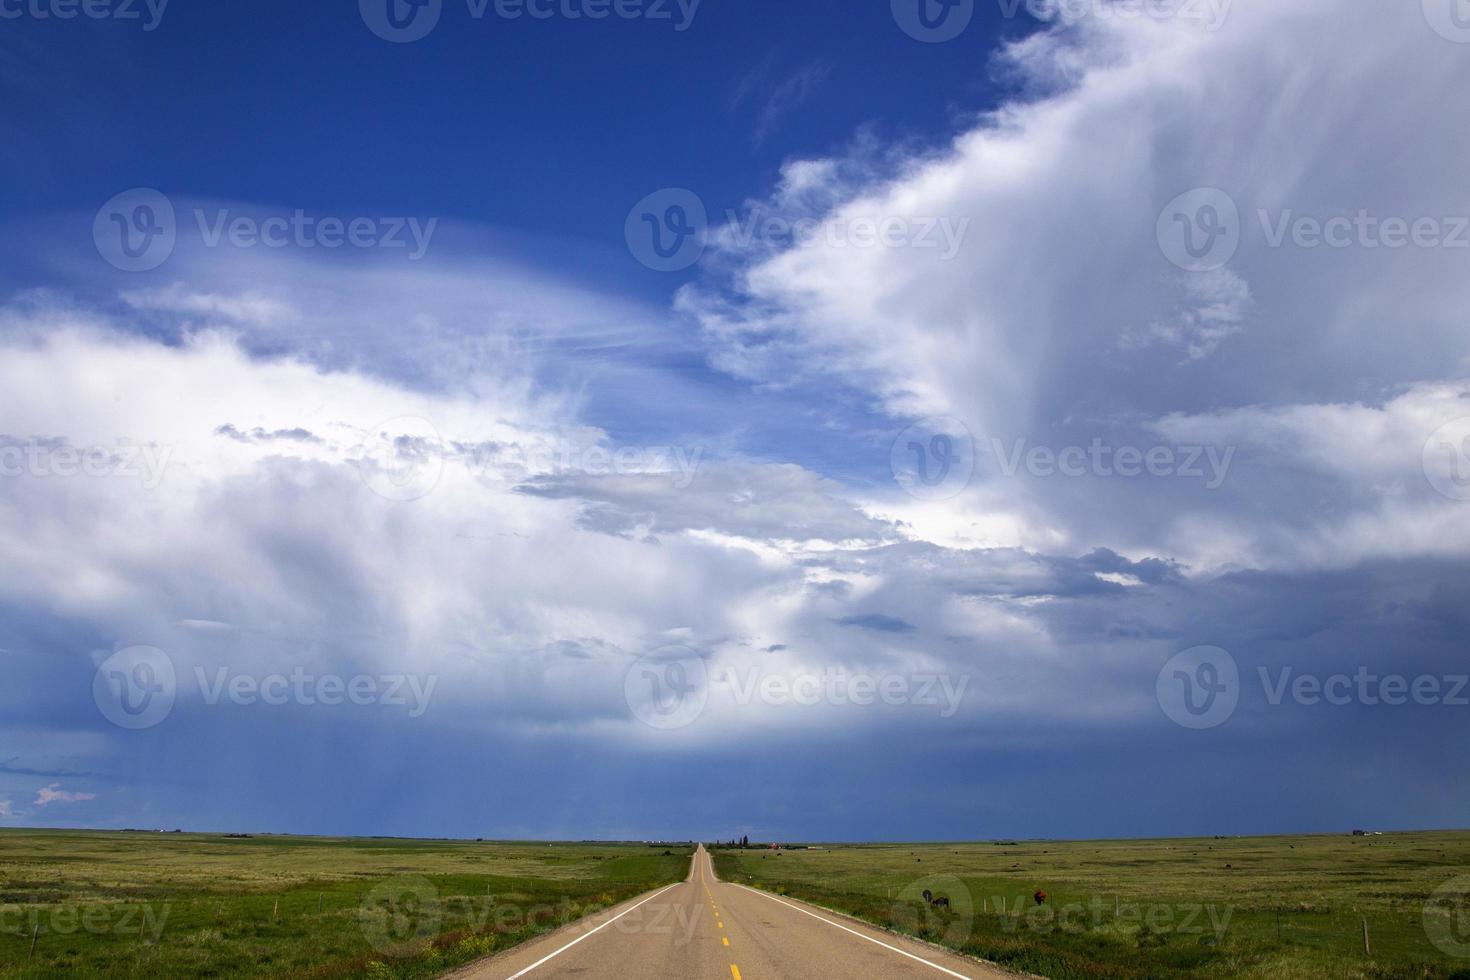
<point x="1040" y="897"/>
<point x="936" y="901"/>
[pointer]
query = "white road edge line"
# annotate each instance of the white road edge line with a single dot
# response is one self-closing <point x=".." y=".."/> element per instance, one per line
<point x="844" y="928"/>
<point x="594" y="932"/>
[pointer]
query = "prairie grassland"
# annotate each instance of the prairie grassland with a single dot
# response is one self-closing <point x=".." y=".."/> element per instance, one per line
<point x="1278" y="908"/>
<point x="134" y="905"/>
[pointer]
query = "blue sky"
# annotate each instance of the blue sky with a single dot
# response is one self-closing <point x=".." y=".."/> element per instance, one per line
<point x="1055" y="429"/>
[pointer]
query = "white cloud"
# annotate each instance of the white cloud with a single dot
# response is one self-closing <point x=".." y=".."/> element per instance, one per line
<point x="296" y="421"/>
<point x="1063" y="320"/>
<point x="48" y="795"/>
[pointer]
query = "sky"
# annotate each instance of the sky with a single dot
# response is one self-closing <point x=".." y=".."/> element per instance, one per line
<point x="649" y="419"/>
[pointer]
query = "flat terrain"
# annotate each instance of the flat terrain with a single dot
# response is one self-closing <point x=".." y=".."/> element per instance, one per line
<point x="1282" y="907"/>
<point x="134" y="905"/>
<point x="124" y="905"/>
<point x="705" y="929"/>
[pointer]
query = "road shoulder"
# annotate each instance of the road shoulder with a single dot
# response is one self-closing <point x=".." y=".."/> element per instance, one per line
<point x="508" y="961"/>
<point x="989" y="970"/>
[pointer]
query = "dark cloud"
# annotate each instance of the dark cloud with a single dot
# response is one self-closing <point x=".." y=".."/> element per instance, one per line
<point x="878" y="623"/>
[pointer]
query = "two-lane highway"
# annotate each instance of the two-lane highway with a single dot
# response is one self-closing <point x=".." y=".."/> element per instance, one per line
<point x="705" y="928"/>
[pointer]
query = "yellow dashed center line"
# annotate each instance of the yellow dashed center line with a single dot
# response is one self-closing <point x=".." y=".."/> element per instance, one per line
<point x="735" y="971"/>
<point x="725" y="940"/>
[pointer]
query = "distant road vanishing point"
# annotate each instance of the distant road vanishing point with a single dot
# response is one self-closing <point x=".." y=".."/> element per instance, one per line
<point x="705" y="928"/>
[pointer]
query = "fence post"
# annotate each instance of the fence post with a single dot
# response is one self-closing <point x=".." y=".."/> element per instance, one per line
<point x="36" y="934"/>
<point x="1367" y="950"/>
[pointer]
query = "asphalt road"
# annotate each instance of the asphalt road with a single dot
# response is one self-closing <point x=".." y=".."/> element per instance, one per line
<point x="705" y="929"/>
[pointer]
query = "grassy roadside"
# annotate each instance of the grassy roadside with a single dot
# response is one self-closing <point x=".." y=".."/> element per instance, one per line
<point x="161" y="906"/>
<point x="1278" y="908"/>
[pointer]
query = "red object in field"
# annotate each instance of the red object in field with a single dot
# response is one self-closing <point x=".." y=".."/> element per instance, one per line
<point x="1040" y="898"/>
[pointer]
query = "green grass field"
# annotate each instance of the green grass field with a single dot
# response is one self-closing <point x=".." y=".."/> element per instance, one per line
<point x="122" y="905"/>
<point x="1281" y="907"/>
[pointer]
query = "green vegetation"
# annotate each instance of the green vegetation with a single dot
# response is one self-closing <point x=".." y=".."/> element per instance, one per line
<point x="124" y="905"/>
<point x="1277" y="908"/>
